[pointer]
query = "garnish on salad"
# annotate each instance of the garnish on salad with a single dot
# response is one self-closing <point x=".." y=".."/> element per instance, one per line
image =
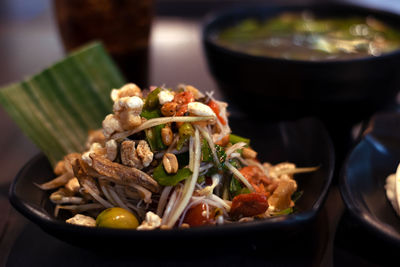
<point x="167" y="158"/>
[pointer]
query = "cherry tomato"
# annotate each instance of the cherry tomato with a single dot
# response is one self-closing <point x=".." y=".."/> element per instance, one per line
<point x="197" y="215"/>
<point x="247" y="205"/>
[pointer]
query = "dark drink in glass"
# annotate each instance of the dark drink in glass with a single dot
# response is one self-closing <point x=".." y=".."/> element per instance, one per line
<point x="122" y="25"/>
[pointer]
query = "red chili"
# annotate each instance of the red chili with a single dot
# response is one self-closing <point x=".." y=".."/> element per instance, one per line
<point x="214" y="106"/>
<point x="247" y="205"/>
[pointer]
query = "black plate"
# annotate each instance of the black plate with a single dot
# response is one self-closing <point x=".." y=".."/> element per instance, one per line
<point x="364" y="173"/>
<point x="304" y="142"/>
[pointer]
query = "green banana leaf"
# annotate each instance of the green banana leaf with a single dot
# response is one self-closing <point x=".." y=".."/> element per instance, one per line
<point x="57" y="107"/>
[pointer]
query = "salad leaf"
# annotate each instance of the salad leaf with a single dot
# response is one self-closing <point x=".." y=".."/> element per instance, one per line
<point x="163" y="178"/>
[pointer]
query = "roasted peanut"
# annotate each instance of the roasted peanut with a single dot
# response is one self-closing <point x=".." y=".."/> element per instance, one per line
<point x="170" y="163"/>
<point x="59" y="168"/>
<point x="166" y="135"/>
<point x="169" y="109"/>
<point x="73" y="185"/>
<point x="249" y="153"/>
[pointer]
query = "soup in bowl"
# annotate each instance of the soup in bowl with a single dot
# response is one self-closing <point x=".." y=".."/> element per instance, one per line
<point x="337" y="62"/>
<point x="304" y="36"/>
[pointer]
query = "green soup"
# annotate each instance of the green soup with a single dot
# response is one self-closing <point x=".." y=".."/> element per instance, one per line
<point x="302" y="36"/>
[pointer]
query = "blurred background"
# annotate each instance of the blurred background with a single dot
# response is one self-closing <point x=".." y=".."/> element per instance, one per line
<point x="30" y="40"/>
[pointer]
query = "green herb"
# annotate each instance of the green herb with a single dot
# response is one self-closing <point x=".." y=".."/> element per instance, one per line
<point x="236" y="188"/>
<point x="282" y="212"/>
<point x="152" y="101"/>
<point x="207" y="154"/>
<point x="236" y="139"/>
<point x="220" y="154"/>
<point x="57" y="107"/>
<point x="153" y="136"/>
<point x="163" y="178"/>
<point x="156" y="113"/>
<point x="206" y="151"/>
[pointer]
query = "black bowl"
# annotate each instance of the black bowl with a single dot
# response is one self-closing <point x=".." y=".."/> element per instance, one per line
<point x="304" y="142"/>
<point x="339" y="92"/>
<point x="364" y="173"/>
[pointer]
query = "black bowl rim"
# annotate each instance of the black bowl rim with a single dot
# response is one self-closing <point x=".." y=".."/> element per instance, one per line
<point x="215" y="16"/>
<point x="287" y="221"/>
<point x="375" y="226"/>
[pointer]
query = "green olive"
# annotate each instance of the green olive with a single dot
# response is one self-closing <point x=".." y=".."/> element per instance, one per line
<point x="117" y="218"/>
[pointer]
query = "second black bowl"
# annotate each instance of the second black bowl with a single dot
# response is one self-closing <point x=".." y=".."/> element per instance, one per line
<point x="363" y="177"/>
<point x="340" y="92"/>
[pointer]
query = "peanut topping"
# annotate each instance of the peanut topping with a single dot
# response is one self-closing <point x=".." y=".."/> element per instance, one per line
<point x="170" y="163"/>
<point x="166" y="135"/>
<point x="249" y="153"/>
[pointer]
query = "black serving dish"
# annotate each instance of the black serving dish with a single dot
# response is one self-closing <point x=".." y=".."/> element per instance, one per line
<point x="339" y="92"/>
<point x="364" y="174"/>
<point x="304" y="142"/>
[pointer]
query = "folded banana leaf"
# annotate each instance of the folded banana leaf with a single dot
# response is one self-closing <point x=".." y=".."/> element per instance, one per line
<point x="57" y="107"/>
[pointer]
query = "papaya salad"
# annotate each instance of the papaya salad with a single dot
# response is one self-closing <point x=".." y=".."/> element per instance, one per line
<point x="167" y="158"/>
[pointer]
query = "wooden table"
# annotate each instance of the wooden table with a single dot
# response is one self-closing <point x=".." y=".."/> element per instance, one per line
<point x="27" y="46"/>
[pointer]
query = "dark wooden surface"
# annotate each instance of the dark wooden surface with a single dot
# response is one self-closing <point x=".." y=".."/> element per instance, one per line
<point x="29" y="41"/>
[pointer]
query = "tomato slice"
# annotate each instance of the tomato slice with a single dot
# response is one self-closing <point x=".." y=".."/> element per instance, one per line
<point x="248" y="205"/>
<point x="197" y="215"/>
